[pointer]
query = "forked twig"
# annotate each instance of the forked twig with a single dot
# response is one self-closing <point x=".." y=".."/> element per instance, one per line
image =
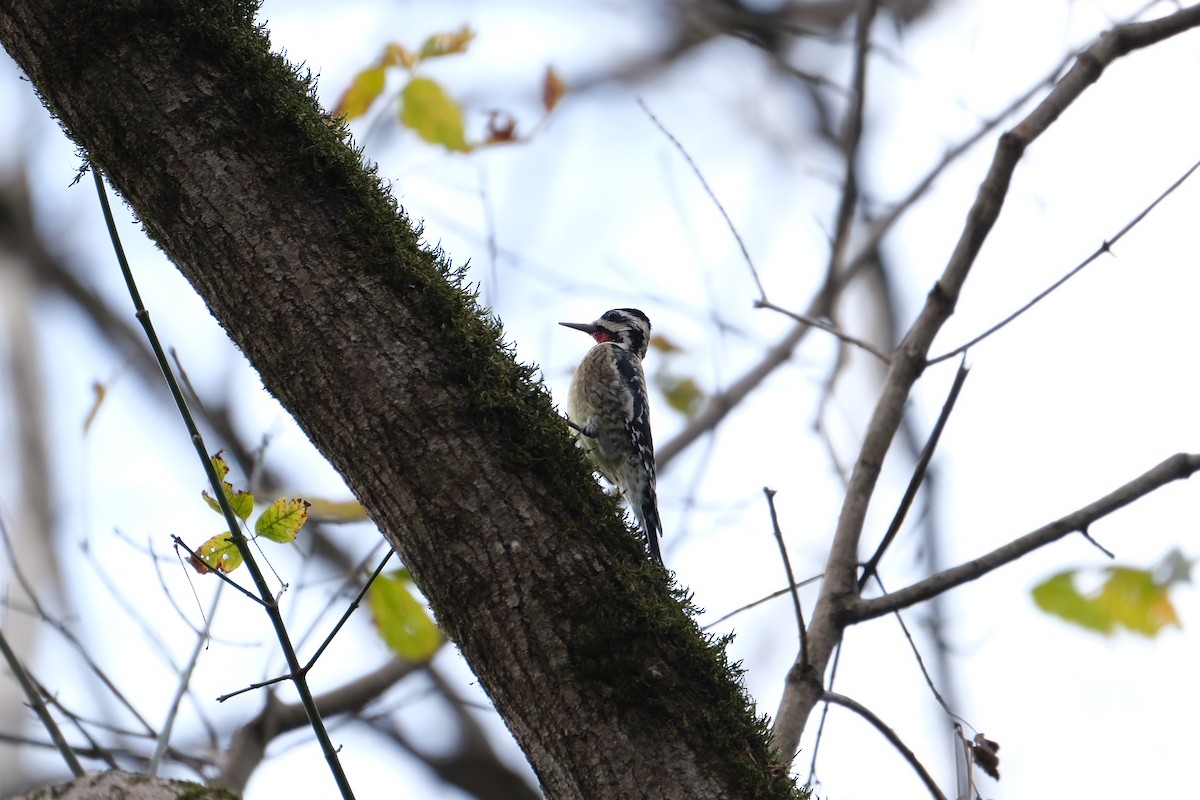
<point x="1106" y="247"/>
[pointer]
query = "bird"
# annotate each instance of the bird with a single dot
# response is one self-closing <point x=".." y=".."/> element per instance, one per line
<point x="609" y="411"/>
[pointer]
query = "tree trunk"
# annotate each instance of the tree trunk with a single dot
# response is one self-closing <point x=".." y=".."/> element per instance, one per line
<point x="365" y="337"/>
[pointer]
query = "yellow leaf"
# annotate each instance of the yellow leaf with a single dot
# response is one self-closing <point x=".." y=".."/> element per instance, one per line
<point x="220" y="553"/>
<point x="683" y="394"/>
<point x="403" y="622"/>
<point x="446" y="44"/>
<point x="553" y="89"/>
<point x="662" y="344"/>
<point x="282" y="520"/>
<point x="336" y="511"/>
<point x="362" y="92"/>
<point x="429" y="111"/>
<point x="1130" y="597"/>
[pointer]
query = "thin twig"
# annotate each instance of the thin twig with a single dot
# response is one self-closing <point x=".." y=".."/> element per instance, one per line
<point x="761" y="600"/>
<point x="219" y="573"/>
<point x="39" y="707"/>
<point x="345" y="616"/>
<point x="890" y="735"/>
<point x="1104" y="248"/>
<point x="712" y="195"/>
<point x="181" y="688"/>
<point x="917" y="478"/>
<point x="921" y="665"/>
<point x="67" y="634"/>
<point x="828" y="328"/>
<point x="1084" y="533"/>
<point x="787" y="566"/>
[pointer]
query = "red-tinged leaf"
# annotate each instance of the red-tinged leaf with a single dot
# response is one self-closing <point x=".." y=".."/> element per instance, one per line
<point x="219" y="553"/>
<point x="432" y="115"/>
<point x="553" y="89"/>
<point x="100" y="391"/>
<point x="219" y="464"/>
<point x="362" y="92"/>
<point x="501" y="128"/>
<point x="242" y="502"/>
<point x="282" y="520"/>
<point x="398" y="55"/>
<point x="447" y="44"/>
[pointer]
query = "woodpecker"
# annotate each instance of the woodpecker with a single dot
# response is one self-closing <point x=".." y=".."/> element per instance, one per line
<point x="610" y="413"/>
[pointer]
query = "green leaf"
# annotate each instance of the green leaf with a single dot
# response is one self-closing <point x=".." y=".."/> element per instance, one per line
<point x="403" y="622"/>
<point x="428" y="110"/>
<point x="683" y="394"/>
<point x="1059" y="596"/>
<point x="1129" y="597"/>
<point x="282" y="520"/>
<point x="362" y="93"/>
<point x="219" y="553"/>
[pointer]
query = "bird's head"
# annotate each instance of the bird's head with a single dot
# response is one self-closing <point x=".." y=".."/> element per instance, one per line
<point x="625" y="327"/>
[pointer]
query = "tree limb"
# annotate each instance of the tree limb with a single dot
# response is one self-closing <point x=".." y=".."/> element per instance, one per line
<point x="1177" y="467"/>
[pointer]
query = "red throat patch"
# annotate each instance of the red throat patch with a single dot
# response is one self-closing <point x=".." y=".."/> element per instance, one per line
<point x="602" y="336"/>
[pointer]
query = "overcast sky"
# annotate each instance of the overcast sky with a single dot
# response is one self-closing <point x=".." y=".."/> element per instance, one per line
<point x="599" y="210"/>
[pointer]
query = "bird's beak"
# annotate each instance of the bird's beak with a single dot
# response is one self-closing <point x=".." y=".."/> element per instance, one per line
<point x="586" y="327"/>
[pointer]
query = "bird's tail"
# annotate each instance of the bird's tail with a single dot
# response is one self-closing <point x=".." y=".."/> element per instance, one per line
<point x="653" y="527"/>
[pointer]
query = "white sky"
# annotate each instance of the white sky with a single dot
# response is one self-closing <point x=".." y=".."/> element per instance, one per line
<point x="1090" y="389"/>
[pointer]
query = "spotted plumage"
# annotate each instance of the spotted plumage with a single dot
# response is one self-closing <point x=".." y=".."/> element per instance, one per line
<point x="608" y="404"/>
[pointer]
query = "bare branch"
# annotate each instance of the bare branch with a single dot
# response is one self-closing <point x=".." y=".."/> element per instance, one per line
<point x="839" y="601"/>
<point x="1177" y="467"/>
<point x="890" y="735"/>
<point x="787" y="566"/>
<point x="35" y="700"/>
<point x="852" y="136"/>
<point x="918" y="477"/>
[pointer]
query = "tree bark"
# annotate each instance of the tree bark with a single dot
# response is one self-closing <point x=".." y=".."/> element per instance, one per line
<point x="364" y="335"/>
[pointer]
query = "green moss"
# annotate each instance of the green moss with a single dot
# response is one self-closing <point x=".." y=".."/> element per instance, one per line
<point x="698" y="675"/>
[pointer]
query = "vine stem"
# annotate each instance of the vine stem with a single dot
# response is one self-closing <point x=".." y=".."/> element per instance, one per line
<point x="269" y="602"/>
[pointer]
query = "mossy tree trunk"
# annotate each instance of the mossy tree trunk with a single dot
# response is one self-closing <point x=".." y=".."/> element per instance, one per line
<point x="363" y="335"/>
